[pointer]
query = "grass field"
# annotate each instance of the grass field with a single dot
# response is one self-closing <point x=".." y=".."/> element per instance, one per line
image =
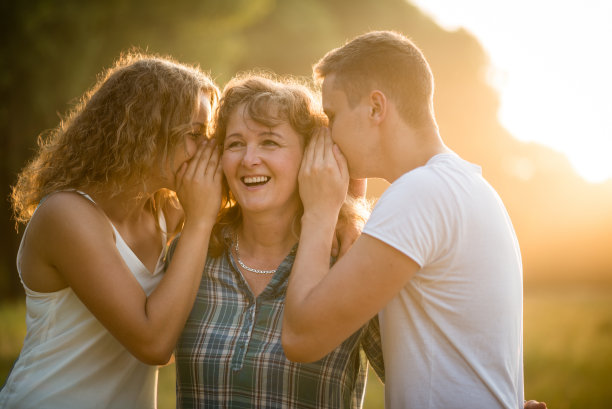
<point x="567" y="347"/>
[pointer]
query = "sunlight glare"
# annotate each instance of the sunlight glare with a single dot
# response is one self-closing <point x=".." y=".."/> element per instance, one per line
<point x="551" y="65"/>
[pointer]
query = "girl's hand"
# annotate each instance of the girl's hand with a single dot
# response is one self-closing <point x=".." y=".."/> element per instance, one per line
<point x="198" y="184"/>
<point x="323" y="178"/>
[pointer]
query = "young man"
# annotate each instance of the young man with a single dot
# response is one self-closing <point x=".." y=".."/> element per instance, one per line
<point x="438" y="258"/>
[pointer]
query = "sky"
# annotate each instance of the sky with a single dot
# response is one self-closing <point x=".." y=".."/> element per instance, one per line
<point x="551" y="61"/>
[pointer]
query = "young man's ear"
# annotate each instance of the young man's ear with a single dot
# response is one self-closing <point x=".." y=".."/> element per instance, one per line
<point x="378" y="106"/>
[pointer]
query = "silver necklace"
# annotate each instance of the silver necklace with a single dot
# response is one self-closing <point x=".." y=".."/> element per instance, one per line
<point x="251" y="269"/>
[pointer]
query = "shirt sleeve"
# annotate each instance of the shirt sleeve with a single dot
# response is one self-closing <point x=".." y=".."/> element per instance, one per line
<point x="412" y="217"/>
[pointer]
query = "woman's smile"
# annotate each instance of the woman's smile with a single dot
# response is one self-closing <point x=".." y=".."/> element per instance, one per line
<point x="253" y="181"/>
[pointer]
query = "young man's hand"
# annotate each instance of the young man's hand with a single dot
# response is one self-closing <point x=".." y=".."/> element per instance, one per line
<point x="534" y="404"/>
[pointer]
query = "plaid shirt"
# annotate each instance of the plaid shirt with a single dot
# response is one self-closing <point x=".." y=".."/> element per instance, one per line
<point x="230" y="355"/>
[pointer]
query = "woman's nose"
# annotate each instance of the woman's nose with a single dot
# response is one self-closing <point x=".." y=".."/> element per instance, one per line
<point x="251" y="156"/>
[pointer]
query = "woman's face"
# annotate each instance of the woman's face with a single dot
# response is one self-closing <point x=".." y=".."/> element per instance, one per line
<point x="261" y="164"/>
<point x="188" y="146"/>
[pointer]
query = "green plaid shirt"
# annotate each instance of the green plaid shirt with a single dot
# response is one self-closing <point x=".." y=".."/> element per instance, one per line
<point x="230" y="355"/>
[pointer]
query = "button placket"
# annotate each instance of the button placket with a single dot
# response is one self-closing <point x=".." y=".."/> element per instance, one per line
<point x="244" y="337"/>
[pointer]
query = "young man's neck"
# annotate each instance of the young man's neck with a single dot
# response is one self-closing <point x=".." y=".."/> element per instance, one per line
<point x="408" y="148"/>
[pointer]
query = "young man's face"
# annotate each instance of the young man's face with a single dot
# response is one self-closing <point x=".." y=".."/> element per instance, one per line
<point x="348" y="125"/>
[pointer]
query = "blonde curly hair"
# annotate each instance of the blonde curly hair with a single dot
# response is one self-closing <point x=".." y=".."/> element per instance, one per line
<point x="270" y="100"/>
<point x="124" y="126"/>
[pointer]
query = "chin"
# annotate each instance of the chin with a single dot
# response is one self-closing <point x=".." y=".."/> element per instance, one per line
<point x="356" y="174"/>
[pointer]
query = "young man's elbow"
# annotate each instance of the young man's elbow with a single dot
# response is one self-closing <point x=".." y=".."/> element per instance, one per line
<point x="153" y="354"/>
<point x="297" y="348"/>
<point x="154" y="359"/>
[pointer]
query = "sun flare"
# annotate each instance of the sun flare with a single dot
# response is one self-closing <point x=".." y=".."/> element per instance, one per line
<point x="554" y="82"/>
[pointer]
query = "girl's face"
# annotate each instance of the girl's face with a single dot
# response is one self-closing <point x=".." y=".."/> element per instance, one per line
<point x="261" y="164"/>
<point x="188" y="146"/>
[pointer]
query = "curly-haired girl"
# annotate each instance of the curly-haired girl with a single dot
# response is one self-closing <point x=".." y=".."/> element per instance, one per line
<point x="100" y="205"/>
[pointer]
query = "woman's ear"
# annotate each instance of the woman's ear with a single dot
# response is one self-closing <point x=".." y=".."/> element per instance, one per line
<point x="378" y="106"/>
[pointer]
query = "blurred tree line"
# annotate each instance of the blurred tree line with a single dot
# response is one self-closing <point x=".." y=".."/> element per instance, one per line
<point x="53" y="50"/>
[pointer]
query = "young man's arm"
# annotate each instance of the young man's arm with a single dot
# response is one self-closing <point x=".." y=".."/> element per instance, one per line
<point x="324" y="307"/>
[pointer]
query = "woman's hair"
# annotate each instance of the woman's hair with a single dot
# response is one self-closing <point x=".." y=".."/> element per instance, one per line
<point x="268" y="100"/>
<point x="129" y="122"/>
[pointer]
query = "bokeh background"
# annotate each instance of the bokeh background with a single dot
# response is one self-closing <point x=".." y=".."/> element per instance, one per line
<point x="53" y="50"/>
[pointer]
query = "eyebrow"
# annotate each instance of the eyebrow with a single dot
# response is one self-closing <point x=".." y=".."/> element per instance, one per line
<point x="233" y="135"/>
<point x="261" y="134"/>
<point x="266" y="133"/>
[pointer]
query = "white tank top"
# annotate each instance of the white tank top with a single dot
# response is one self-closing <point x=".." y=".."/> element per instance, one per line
<point x="70" y="360"/>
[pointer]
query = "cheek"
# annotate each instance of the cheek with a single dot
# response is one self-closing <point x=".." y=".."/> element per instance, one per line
<point x="225" y="162"/>
<point x="339" y="137"/>
<point x="190" y="149"/>
<point x="292" y="169"/>
<point x="228" y="165"/>
<point x="184" y="152"/>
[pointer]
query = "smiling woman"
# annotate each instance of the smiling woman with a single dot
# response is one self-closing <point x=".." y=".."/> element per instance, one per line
<point x="230" y="352"/>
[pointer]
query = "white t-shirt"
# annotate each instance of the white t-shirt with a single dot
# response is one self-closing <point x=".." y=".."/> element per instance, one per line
<point x="452" y="338"/>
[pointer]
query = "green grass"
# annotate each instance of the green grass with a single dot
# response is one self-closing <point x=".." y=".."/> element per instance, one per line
<point x="12" y="332"/>
<point x="568" y="347"/>
<point x="567" y="336"/>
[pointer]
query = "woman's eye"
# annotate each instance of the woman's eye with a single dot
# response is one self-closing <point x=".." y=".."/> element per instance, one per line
<point x="233" y="145"/>
<point x="269" y="142"/>
<point x="195" y="135"/>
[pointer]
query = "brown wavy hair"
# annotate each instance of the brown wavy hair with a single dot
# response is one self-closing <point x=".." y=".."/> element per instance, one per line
<point x="269" y="100"/>
<point x="124" y="126"/>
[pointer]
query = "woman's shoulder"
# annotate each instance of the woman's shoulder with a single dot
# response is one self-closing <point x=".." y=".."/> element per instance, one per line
<point x="60" y="210"/>
<point x="65" y="223"/>
<point x="68" y="201"/>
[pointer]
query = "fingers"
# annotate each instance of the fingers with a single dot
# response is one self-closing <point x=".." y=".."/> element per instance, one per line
<point x="323" y="158"/>
<point x="180" y="174"/>
<point x="533" y="404"/>
<point x="193" y="164"/>
<point x="328" y="145"/>
<point x="340" y="160"/>
<point x="199" y="186"/>
<point x="205" y="161"/>
<point x="335" y="246"/>
<point x="213" y="161"/>
<point x="319" y="148"/>
<point x="319" y="153"/>
<point x="219" y="169"/>
<point x="309" y="152"/>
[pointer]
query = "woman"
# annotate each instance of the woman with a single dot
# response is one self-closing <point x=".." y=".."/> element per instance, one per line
<point x="98" y="202"/>
<point x="230" y="354"/>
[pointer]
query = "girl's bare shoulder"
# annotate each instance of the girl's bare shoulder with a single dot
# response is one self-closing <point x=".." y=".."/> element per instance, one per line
<point x="68" y="212"/>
